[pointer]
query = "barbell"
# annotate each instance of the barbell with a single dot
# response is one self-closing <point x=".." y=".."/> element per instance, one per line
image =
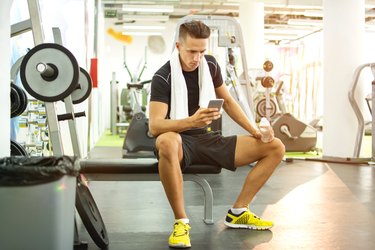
<point x="49" y="72"/>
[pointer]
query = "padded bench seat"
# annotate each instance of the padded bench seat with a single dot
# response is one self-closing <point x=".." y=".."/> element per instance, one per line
<point x="137" y="166"/>
<point x="146" y="169"/>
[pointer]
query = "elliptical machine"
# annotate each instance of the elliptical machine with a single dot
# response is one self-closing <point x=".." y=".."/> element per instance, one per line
<point x="138" y="142"/>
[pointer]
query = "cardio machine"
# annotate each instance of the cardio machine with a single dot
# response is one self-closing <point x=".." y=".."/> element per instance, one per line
<point x="296" y="135"/>
<point x="138" y="142"/>
<point x="359" y="113"/>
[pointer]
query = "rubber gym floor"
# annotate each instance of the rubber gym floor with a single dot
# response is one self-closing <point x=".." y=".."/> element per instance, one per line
<point x="313" y="204"/>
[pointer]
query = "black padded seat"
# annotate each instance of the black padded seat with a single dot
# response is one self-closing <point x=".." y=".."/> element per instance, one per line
<point x="137" y="166"/>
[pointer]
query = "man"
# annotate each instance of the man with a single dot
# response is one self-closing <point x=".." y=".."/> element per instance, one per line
<point x="178" y="118"/>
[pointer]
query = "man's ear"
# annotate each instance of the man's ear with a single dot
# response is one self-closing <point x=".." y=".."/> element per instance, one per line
<point x="178" y="45"/>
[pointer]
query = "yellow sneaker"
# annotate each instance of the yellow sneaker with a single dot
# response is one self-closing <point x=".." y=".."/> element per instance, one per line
<point x="246" y="220"/>
<point x="180" y="237"/>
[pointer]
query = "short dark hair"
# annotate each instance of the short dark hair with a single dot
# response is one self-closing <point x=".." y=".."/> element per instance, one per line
<point x="195" y="29"/>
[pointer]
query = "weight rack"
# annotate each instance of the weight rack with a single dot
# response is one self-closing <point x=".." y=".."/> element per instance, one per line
<point x="85" y="203"/>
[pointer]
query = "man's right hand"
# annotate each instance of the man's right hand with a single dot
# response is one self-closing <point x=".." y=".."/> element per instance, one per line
<point x="204" y="117"/>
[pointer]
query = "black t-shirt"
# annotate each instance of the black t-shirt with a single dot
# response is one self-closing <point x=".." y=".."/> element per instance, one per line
<point x="161" y="84"/>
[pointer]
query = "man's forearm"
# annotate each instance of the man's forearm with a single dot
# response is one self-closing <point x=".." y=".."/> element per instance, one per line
<point x="161" y="126"/>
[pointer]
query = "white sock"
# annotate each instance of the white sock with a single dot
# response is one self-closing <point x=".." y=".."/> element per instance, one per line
<point x="238" y="211"/>
<point x="184" y="220"/>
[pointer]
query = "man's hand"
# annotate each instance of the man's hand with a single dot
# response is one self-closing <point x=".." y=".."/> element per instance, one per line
<point x="257" y="134"/>
<point x="204" y="117"/>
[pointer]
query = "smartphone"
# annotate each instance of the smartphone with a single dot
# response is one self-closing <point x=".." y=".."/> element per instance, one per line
<point x="216" y="103"/>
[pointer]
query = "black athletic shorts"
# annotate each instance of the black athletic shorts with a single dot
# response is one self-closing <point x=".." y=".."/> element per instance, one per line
<point x="202" y="147"/>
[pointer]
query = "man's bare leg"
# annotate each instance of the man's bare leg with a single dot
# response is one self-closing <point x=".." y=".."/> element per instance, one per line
<point x="268" y="157"/>
<point x="169" y="146"/>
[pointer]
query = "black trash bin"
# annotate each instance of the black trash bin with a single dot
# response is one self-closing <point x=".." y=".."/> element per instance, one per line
<point x="37" y="202"/>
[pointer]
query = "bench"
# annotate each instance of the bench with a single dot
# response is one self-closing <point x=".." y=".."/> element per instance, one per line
<point x="146" y="169"/>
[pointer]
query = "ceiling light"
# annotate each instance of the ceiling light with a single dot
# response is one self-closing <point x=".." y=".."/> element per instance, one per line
<point x="298" y="6"/>
<point x="143" y="27"/>
<point x="312" y="13"/>
<point x="285" y="31"/>
<point x="305" y="22"/>
<point x="231" y="4"/>
<point x="141" y="33"/>
<point x="191" y="3"/>
<point x="148" y="8"/>
<point x="145" y="18"/>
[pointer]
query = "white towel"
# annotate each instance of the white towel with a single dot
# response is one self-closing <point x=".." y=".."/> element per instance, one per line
<point x="179" y="94"/>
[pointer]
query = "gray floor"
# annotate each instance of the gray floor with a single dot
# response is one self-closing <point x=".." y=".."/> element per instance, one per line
<point x="314" y="205"/>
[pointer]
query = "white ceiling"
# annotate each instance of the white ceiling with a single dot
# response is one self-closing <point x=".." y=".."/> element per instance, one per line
<point x="278" y="18"/>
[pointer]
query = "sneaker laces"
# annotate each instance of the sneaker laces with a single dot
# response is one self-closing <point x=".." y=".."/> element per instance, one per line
<point x="180" y="229"/>
<point x="254" y="215"/>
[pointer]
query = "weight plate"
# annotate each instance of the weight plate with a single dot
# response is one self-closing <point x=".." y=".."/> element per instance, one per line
<point x="24" y="101"/>
<point x="268" y="82"/>
<point x="16" y="149"/>
<point x="40" y="87"/>
<point x="261" y="108"/>
<point x="90" y="215"/>
<point x="15" y="100"/>
<point x="85" y="86"/>
<point x="18" y="100"/>
<point x="267" y="66"/>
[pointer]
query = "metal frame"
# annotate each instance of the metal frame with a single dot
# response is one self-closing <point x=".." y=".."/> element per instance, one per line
<point x="34" y="24"/>
<point x="208" y="195"/>
<point x="358" y="113"/>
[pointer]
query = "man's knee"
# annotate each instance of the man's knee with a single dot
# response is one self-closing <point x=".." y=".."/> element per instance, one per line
<point x="168" y="144"/>
<point x="278" y="148"/>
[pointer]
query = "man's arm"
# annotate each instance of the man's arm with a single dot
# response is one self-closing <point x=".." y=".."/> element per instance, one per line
<point x="234" y="110"/>
<point x="158" y="124"/>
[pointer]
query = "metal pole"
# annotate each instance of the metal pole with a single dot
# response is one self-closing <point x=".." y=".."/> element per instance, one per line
<point x="373" y="121"/>
<point x="113" y="104"/>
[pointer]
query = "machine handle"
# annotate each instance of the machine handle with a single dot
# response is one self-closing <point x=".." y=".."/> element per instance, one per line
<point x="285" y="130"/>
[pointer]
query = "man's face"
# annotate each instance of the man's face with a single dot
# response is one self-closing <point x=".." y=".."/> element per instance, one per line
<point x="191" y="52"/>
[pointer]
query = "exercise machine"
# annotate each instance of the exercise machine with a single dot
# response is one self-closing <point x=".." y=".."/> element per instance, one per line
<point x="295" y="135"/>
<point x="134" y="96"/>
<point x="356" y="159"/>
<point x="235" y="87"/>
<point x="359" y="114"/>
<point x="138" y="142"/>
<point x="266" y="105"/>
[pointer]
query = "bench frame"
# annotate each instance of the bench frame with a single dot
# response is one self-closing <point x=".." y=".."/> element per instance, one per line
<point x="202" y="182"/>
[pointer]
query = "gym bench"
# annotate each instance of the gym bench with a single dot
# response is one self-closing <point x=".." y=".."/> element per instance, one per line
<point x="147" y="170"/>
